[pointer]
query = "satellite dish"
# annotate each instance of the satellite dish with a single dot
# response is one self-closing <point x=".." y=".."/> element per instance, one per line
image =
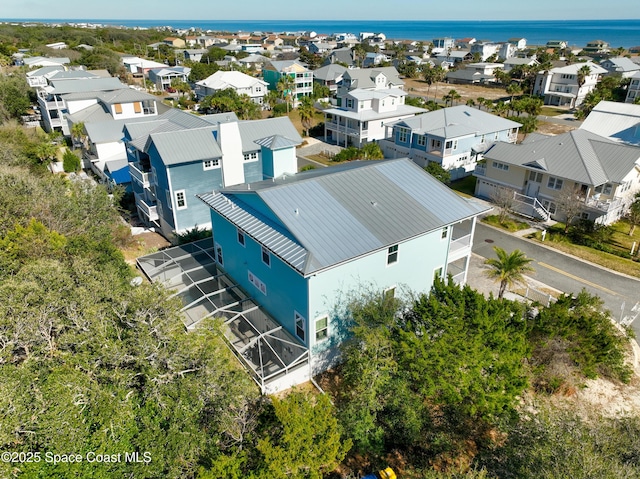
<point x="137" y="281"/>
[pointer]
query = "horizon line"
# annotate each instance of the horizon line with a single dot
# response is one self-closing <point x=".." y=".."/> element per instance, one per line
<point x="67" y="19"/>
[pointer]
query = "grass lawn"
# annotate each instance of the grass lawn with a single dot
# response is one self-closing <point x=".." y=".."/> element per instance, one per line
<point x="619" y="240"/>
<point x="509" y="224"/>
<point x="551" y="111"/>
<point x="466" y="185"/>
<point x="322" y="159"/>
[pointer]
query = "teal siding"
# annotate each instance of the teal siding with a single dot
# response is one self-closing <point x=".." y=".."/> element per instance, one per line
<point x="418" y="258"/>
<point x="162" y="185"/>
<point x="271" y="77"/>
<point x="286" y="290"/>
<point x="193" y="179"/>
<point x="253" y="171"/>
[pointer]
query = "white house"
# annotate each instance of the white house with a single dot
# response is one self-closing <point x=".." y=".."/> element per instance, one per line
<point x="243" y="84"/>
<point x="362" y="116"/>
<point x="560" y="87"/>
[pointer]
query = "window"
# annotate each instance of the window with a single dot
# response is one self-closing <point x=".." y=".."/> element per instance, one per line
<point x="349" y="102"/>
<point x="392" y="254"/>
<point x="554" y="183"/>
<point x="322" y="328"/>
<point x="251" y="156"/>
<point x="550" y="206"/>
<point x="210" y="164"/>
<point x="445" y="232"/>
<point x="402" y="135"/>
<point x="219" y="257"/>
<point x="436" y="144"/>
<point x="181" y="200"/>
<point x="241" y="238"/>
<point x="604" y="189"/>
<point x="118" y="108"/>
<point x="421" y="140"/>
<point x="253" y="279"/>
<point x="266" y="257"/>
<point x="137" y="107"/>
<point x="451" y="144"/>
<point x="535" y="176"/>
<point x="300" y="325"/>
<point x="495" y="136"/>
<point x="437" y="273"/>
<point x="390" y="293"/>
<point x="500" y="166"/>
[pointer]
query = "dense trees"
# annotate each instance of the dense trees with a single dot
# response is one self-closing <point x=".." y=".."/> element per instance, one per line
<point x="433" y="377"/>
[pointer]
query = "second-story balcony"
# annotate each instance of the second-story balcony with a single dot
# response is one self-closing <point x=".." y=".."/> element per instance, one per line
<point x="139" y="176"/>
<point x="149" y="212"/>
<point x="603" y="205"/>
<point x="480" y="170"/>
<point x="340" y="128"/>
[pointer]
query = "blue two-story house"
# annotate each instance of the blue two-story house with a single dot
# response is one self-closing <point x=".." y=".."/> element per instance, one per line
<point x="454" y="137"/>
<point x="180" y="155"/>
<point x="299" y="243"/>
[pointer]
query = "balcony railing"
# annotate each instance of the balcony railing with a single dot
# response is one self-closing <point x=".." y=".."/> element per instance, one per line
<point x="139" y="176"/>
<point x="149" y="211"/>
<point x="332" y="125"/>
<point x="480" y="170"/>
<point x="605" y="205"/>
<point x="460" y="243"/>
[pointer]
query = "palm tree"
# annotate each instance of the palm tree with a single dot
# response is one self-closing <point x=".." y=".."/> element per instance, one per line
<point x="508" y="268"/>
<point x="480" y="102"/>
<point x="582" y="75"/>
<point x="471" y="102"/>
<point x="286" y="84"/>
<point x="306" y="110"/>
<point x="438" y="75"/>
<point x="78" y="133"/>
<point x="454" y="96"/>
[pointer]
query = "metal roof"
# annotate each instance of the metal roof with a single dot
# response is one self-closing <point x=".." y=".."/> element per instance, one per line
<point x="578" y="155"/>
<point x="86" y="85"/>
<point x="222" y="80"/>
<point x="456" y="121"/>
<point x="252" y="130"/>
<point x="329" y="72"/>
<point x="333" y="215"/>
<point x="618" y="121"/>
<point x="185" y="146"/>
<point x="276" y="142"/>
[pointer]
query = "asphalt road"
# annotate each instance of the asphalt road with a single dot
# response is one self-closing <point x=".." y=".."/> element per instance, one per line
<point x="566" y="273"/>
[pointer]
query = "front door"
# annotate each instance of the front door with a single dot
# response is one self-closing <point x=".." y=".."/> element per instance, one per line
<point x="533" y="187"/>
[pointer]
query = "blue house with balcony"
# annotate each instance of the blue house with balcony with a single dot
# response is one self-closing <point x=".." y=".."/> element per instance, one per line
<point x="454" y="137"/>
<point x="179" y="155"/>
<point x="296" y="242"/>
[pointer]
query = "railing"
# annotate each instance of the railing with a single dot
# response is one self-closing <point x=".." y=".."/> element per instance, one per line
<point x="139" y="176"/>
<point x="149" y="211"/>
<point x="460" y="243"/>
<point x="529" y="206"/>
<point x="605" y="205"/>
<point x="480" y="170"/>
<point x="332" y="125"/>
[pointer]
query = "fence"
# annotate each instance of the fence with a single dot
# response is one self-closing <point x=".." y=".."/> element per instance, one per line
<point x="541" y="297"/>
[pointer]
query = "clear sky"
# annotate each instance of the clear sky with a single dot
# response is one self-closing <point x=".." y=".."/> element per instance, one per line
<point x="322" y="9"/>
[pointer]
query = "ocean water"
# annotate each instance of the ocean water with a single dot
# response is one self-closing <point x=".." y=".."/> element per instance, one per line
<point x="618" y="33"/>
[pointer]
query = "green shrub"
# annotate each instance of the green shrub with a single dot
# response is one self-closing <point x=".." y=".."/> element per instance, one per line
<point x="70" y="162"/>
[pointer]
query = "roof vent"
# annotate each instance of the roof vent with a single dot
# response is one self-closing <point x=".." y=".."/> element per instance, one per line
<point x="296" y="211"/>
<point x="373" y="203"/>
